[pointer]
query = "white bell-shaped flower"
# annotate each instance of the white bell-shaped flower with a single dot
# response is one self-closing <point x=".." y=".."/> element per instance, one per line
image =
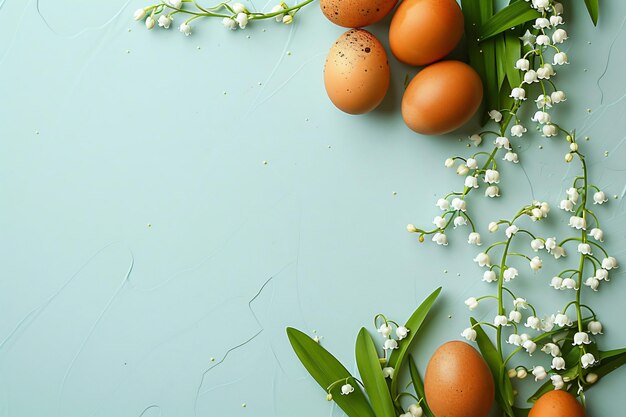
<point x="594" y="327"/>
<point x="581" y="338"/>
<point x="471" y="303"/>
<point x="490" y="276"/>
<point x="402" y="332"/>
<point x="347" y="389"/>
<point x="539" y="373"/>
<point x="483" y="259"/>
<point x="558" y="363"/>
<point x="469" y="334"/>
<point x="587" y="360"/>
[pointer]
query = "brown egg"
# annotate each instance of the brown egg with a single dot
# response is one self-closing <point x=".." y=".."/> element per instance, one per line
<point x="557" y="403"/>
<point x="424" y="31"/>
<point x="441" y="98"/>
<point x="356" y="13"/>
<point x="458" y="382"/>
<point x="356" y="73"/>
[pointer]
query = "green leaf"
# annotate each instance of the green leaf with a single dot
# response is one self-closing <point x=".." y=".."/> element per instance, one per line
<point x="326" y="370"/>
<point x="593" y="9"/>
<point x="482" y="55"/>
<point x="609" y="361"/>
<point x="512" y="15"/>
<point x="513" y="53"/>
<point x="501" y="62"/>
<point x="504" y="389"/>
<point x="418" y="385"/>
<point x="372" y="375"/>
<point x="414" y="323"/>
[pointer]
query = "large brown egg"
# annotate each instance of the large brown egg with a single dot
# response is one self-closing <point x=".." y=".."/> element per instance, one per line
<point x="441" y="98"/>
<point x="356" y="13"/>
<point x="458" y="382"/>
<point x="557" y="403"/>
<point x="424" y="31"/>
<point x="356" y="73"/>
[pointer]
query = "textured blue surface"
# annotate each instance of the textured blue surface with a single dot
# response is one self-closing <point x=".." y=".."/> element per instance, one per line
<point x="143" y="234"/>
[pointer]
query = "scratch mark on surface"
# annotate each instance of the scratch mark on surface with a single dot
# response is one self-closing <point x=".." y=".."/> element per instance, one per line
<point x="250" y="339"/>
<point x="150" y="407"/>
<point x="85" y="30"/>
<point x="530" y="183"/>
<point x="38" y="310"/>
<point x="2" y="3"/>
<point x="608" y="60"/>
<point x="93" y="329"/>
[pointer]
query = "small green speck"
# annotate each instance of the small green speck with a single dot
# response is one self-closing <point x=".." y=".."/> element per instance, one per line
<point x="540" y="146"/>
<point x="128" y="51"/>
<point x="445" y="271"/>
<point x="212" y="359"/>
<point x="588" y="110"/>
<point x="289" y="53"/>
<point x="587" y="138"/>
<point x="615" y="196"/>
<point x="244" y="405"/>
<point x="606" y="153"/>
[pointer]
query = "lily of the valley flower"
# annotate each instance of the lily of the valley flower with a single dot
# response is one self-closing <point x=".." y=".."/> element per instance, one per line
<point x="540" y="373"/>
<point x="593" y="283"/>
<point x="483" y="259"/>
<point x="594" y="327"/>
<point x="559" y="36"/>
<point x="402" y="332"/>
<point x="474" y="239"/>
<point x="562" y="320"/>
<point x="229" y="23"/>
<point x="443" y="204"/>
<point x="509" y="274"/>
<point x="492" y="191"/>
<point x="502" y="142"/>
<point x="531" y="77"/>
<point x="511" y="230"/>
<point x="177" y="4"/>
<point x="165" y="21"/>
<point x="587" y="360"/>
<point x="578" y="222"/>
<point x="492" y="176"/>
<point x="599" y="198"/>
<point x="388" y="372"/>
<point x="459" y="204"/>
<point x="279" y="8"/>
<point x="597" y="234"/>
<point x="185" y="28"/>
<point x="139" y="14"/>
<point x="581" y="338"/>
<point x="471" y="182"/>
<point x="495" y="115"/>
<point x="518" y="130"/>
<point x="530" y="346"/>
<point x="518" y="93"/>
<point x="549" y="131"/>
<point x="522" y="64"/>
<point x="439" y="221"/>
<point x="558" y="363"/>
<point x="476" y="139"/>
<point x="569" y="283"/>
<point x="566" y="205"/>
<point x="536" y="263"/>
<point x="609" y="263"/>
<point x="515" y="316"/>
<point x="533" y="322"/>
<point x="390" y="344"/>
<point x="584" y="248"/>
<point x="150" y="23"/>
<point x="385" y="329"/>
<point x="242" y="20"/>
<point x="440" y="239"/>
<point x="602" y="274"/>
<point x="560" y="58"/>
<point x="557" y="381"/>
<point x="514" y="339"/>
<point x="469" y="334"/>
<point x="572" y="195"/>
<point x="541" y="117"/>
<point x="471" y="163"/>
<point x="415" y="410"/>
<point x="511" y="157"/>
<point x="536" y="244"/>
<point x="556" y="283"/>
<point x="471" y="303"/>
<point x="347" y="389"/>
<point x="551" y="349"/>
<point x="490" y="276"/>
<point x="520" y="302"/>
<point x="500" y="321"/>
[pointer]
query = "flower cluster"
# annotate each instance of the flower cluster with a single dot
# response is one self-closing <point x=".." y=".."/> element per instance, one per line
<point x="235" y="16"/>
<point x="567" y="336"/>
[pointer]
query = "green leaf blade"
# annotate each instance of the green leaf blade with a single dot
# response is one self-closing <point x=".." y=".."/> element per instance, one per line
<point x="512" y="15"/>
<point x="326" y="370"/>
<point x="418" y="385"/>
<point x="594" y="10"/>
<point x="372" y="375"/>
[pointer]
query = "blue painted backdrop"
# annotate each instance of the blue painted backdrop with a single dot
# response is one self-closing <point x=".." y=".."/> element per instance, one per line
<point x="169" y="204"/>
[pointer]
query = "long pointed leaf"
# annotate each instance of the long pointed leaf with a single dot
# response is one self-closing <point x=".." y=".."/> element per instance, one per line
<point x="372" y="375"/>
<point x="418" y="385"/>
<point x="512" y="15"/>
<point x="593" y="9"/>
<point x="326" y="370"/>
<point x="494" y="361"/>
<point x="414" y="323"/>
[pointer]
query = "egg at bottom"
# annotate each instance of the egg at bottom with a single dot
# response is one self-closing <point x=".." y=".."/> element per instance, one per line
<point x="425" y="31"/>
<point x="356" y="73"/>
<point x="441" y="98"/>
<point x="458" y="382"/>
<point x="557" y="403"/>
<point x="356" y="13"/>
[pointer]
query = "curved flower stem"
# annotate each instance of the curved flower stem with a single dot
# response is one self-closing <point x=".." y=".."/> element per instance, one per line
<point x="500" y="289"/>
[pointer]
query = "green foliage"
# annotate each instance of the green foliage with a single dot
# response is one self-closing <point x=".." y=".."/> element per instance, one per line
<point x="512" y="15"/>
<point x="327" y="370"/>
<point x="593" y="9"/>
<point x="372" y="375"/>
<point x="418" y="385"/>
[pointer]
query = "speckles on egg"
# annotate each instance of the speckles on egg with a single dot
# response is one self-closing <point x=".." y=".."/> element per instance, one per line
<point x="356" y="13"/>
<point x="356" y="73"/>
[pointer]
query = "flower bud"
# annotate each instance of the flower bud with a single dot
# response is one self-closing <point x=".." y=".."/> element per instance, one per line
<point x="150" y="22"/>
<point x="329" y="397"/>
<point x="591" y="378"/>
<point x="411" y="228"/>
<point x="573" y="146"/>
<point x="139" y="14"/>
<point x="569" y="157"/>
<point x="449" y="163"/>
<point x="512" y="373"/>
<point x="288" y="19"/>
<point x="493" y="227"/>
<point x="462" y="170"/>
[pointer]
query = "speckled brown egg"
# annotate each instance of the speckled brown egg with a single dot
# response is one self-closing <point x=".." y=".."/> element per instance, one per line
<point x="557" y="403"/>
<point x="424" y="31"/>
<point x="441" y="98"/>
<point x="356" y="13"/>
<point x="458" y="382"/>
<point x="356" y="73"/>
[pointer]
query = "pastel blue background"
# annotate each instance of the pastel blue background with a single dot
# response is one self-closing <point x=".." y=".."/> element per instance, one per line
<point x="143" y="235"/>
